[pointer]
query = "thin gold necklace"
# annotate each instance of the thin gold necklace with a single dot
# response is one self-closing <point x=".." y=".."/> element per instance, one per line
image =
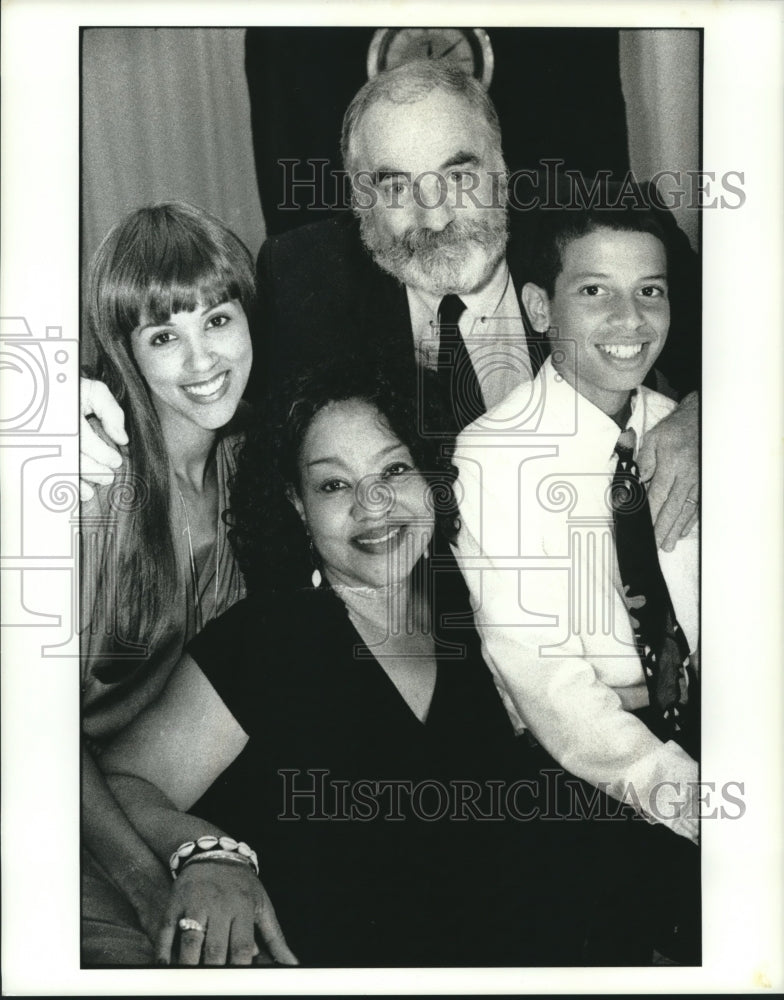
<point x="194" y="576"/>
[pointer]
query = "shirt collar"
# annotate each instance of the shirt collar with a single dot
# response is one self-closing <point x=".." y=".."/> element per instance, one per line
<point x="592" y="421"/>
<point x="637" y="419"/>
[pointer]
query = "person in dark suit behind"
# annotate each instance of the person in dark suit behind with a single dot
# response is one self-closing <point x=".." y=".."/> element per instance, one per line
<point x="429" y="243"/>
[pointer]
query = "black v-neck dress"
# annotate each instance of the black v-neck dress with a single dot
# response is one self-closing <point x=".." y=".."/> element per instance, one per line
<point x="384" y="840"/>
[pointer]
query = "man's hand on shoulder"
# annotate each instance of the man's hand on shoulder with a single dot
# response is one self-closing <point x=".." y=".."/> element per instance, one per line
<point x="670" y="458"/>
<point x="97" y="459"/>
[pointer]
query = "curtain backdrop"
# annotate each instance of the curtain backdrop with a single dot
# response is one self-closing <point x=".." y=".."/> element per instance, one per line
<point x="660" y="75"/>
<point x="165" y="115"/>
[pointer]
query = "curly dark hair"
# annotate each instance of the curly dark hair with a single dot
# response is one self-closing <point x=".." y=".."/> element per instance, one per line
<point x="270" y="543"/>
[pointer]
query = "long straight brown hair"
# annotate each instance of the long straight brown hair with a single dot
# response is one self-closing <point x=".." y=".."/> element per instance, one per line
<point x="158" y="260"/>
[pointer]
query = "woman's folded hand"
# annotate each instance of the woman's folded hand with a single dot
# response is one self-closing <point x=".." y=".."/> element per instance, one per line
<point x="220" y="914"/>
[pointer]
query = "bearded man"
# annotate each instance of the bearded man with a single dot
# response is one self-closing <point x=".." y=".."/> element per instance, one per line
<point x="428" y="250"/>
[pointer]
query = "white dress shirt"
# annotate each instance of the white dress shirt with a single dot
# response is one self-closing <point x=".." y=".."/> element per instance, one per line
<point x="492" y="330"/>
<point x="537" y="549"/>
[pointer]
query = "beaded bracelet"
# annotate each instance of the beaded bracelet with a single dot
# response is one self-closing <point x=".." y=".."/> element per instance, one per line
<point x="224" y="848"/>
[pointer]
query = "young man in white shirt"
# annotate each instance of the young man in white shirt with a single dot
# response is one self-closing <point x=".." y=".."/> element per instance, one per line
<point x="535" y="472"/>
<point x="560" y="629"/>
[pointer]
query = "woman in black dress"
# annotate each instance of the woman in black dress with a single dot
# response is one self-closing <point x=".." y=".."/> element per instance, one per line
<point x="342" y="722"/>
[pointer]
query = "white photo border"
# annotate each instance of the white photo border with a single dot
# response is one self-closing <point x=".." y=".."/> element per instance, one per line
<point x="741" y="509"/>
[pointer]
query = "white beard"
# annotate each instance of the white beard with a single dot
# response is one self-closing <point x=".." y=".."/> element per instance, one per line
<point x="456" y="260"/>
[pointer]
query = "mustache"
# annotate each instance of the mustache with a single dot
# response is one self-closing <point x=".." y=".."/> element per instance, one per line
<point x="456" y="256"/>
<point x="453" y="236"/>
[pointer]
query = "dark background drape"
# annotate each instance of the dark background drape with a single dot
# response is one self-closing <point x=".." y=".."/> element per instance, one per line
<point x="557" y="92"/>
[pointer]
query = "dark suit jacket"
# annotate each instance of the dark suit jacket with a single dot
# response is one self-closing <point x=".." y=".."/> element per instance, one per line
<point x="321" y="295"/>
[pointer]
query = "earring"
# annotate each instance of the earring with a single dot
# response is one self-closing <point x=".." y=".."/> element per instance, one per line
<point x="315" y="576"/>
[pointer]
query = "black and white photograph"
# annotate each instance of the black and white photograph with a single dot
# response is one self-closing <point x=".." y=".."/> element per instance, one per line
<point x="367" y="464"/>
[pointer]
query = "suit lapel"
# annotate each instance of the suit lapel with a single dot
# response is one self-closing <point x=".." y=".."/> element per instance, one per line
<point x="379" y="306"/>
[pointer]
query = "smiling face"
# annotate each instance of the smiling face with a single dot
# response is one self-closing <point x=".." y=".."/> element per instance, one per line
<point x="360" y="497"/>
<point x="609" y="314"/>
<point x="196" y="365"/>
<point x="436" y="218"/>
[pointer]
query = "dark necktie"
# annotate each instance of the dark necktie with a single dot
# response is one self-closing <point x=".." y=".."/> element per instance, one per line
<point x="457" y="379"/>
<point x="660" y="641"/>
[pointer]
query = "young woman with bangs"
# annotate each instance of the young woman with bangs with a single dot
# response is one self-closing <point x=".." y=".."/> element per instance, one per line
<point x="170" y="293"/>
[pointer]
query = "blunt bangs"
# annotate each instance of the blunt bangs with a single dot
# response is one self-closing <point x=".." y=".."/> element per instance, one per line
<point x="172" y="258"/>
<point x="162" y="300"/>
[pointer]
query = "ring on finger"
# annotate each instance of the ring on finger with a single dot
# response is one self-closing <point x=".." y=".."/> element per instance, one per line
<point x="189" y="924"/>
